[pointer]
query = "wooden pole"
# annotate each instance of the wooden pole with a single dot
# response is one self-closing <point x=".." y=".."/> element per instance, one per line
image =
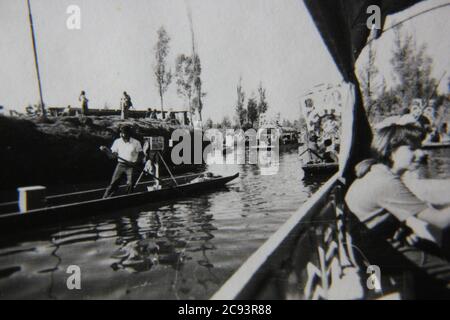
<point x="159" y="155"/>
<point x="36" y="62"/>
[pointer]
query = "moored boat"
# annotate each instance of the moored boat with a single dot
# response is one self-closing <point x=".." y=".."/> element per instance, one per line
<point x="320" y="168"/>
<point x="436" y="145"/>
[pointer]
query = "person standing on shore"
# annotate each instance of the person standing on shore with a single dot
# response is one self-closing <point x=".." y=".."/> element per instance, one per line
<point x="84" y="103"/>
<point x="125" y="105"/>
<point x="128" y="151"/>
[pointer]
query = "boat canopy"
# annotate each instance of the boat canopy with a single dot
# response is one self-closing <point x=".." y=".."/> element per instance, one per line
<point x="343" y="27"/>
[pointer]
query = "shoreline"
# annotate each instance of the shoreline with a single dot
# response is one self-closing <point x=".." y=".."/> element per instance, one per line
<point x="63" y="151"/>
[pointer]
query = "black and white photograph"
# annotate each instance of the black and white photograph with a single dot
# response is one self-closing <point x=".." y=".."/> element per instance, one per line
<point x="252" y="150"/>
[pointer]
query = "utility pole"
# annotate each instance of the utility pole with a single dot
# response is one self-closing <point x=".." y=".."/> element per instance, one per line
<point x="36" y="62"/>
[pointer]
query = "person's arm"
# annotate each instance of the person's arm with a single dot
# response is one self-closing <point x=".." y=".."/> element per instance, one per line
<point x="433" y="191"/>
<point x="140" y="152"/>
<point x="439" y="218"/>
<point x="115" y="148"/>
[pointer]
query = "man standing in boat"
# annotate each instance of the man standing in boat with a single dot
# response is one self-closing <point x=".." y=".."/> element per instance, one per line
<point x="128" y="151"/>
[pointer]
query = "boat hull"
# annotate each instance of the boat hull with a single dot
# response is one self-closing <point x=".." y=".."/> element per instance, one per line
<point x="436" y="145"/>
<point x="320" y="169"/>
<point x="324" y="252"/>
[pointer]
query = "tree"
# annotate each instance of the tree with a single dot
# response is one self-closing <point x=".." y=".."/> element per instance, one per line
<point x="209" y="123"/>
<point x="412" y="79"/>
<point x="287" y="123"/>
<point x="262" y="102"/>
<point x="226" y="123"/>
<point x="197" y="71"/>
<point x="189" y="84"/>
<point x="412" y="69"/>
<point x="368" y="79"/>
<point x="241" y="113"/>
<point x="252" y="110"/>
<point x="163" y="77"/>
<point x="184" y="66"/>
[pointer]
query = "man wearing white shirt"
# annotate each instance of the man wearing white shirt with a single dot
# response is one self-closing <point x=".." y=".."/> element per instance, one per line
<point x="128" y="152"/>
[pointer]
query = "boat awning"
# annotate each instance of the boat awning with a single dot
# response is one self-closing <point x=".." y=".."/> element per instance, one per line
<point x="343" y="27"/>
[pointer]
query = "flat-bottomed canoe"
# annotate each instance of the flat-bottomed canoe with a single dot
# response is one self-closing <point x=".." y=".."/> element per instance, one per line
<point x="61" y="208"/>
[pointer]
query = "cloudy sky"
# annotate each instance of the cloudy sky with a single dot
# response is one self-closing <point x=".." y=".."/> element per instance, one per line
<point x="271" y="41"/>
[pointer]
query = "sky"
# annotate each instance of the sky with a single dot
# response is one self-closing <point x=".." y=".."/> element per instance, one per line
<point x="270" y="41"/>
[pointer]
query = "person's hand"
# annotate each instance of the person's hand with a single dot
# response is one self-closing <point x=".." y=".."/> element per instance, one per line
<point x="103" y="148"/>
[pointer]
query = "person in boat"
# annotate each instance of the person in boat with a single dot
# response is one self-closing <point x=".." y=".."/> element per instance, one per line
<point x="386" y="194"/>
<point x="203" y="177"/>
<point x="444" y="137"/>
<point x="129" y="152"/>
<point x="330" y="155"/>
<point x="314" y="150"/>
<point x="84" y="103"/>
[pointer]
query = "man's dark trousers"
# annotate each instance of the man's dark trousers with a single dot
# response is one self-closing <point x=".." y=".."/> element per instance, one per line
<point x="121" y="169"/>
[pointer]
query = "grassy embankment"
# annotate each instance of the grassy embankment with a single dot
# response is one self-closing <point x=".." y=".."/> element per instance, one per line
<point x="62" y="151"/>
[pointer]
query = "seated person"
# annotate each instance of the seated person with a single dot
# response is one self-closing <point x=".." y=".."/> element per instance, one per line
<point x="313" y="150"/>
<point x="381" y="199"/>
<point x="329" y="154"/>
<point x="203" y="177"/>
<point x="443" y="132"/>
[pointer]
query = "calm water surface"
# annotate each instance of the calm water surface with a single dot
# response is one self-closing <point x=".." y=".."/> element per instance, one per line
<point x="172" y="250"/>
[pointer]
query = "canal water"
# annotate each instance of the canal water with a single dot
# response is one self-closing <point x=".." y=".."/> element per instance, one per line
<point x="172" y="250"/>
<point x="183" y="249"/>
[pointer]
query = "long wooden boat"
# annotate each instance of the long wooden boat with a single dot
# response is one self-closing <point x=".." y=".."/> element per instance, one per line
<point x="61" y="208"/>
<point x="281" y="147"/>
<point x="320" y="168"/>
<point x="436" y="145"/>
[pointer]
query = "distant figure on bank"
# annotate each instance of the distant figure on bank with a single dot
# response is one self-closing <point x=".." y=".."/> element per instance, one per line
<point x="67" y="111"/>
<point x="444" y="137"/>
<point x="84" y="103"/>
<point x="171" y="118"/>
<point x="386" y="193"/>
<point x="128" y="151"/>
<point x="125" y="105"/>
<point x="151" y="114"/>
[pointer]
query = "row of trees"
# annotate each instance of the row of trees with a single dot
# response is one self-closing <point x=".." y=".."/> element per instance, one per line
<point x="412" y="68"/>
<point x="226" y="123"/>
<point x="187" y="74"/>
<point x="256" y="106"/>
